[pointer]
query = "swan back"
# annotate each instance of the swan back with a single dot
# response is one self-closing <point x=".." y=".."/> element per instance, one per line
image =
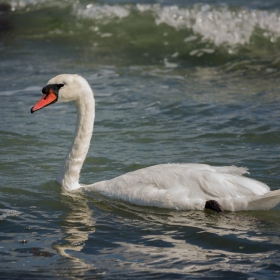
<point x="187" y="187"/>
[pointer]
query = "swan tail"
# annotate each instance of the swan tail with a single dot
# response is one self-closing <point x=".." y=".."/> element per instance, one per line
<point x="266" y="201"/>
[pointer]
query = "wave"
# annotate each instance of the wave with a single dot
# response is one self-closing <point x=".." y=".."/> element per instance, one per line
<point x="238" y="38"/>
<point x="173" y="35"/>
<point x="218" y="24"/>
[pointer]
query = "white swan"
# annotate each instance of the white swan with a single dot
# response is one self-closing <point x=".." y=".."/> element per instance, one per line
<point x="177" y="186"/>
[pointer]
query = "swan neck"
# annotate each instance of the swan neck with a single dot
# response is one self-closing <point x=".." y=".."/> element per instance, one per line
<point x="69" y="172"/>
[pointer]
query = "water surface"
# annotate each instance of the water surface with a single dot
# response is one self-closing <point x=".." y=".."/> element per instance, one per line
<point x="173" y="83"/>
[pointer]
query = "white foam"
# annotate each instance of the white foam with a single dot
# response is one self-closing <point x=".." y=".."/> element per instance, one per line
<point x="101" y="12"/>
<point x="4" y="213"/>
<point x="219" y="24"/>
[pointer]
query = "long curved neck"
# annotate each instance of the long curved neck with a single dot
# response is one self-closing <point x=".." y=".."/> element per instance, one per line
<point x="69" y="173"/>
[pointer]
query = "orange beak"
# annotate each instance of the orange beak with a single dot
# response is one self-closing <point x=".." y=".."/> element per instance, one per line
<point x="47" y="99"/>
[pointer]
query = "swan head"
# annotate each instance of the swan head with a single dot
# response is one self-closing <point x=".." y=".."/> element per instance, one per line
<point x="63" y="88"/>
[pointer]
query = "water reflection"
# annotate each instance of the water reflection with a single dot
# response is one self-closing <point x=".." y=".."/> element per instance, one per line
<point x="198" y="241"/>
<point x="163" y="241"/>
<point x="209" y="221"/>
<point x="77" y="225"/>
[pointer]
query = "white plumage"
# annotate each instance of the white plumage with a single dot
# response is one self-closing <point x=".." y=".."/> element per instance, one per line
<point x="189" y="186"/>
<point x="176" y="186"/>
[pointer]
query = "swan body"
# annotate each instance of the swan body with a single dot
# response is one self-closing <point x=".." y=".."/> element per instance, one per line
<point x="175" y="186"/>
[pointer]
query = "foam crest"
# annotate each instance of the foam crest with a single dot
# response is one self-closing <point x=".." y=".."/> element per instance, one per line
<point x="217" y="24"/>
<point x="99" y="12"/>
<point x="220" y="24"/>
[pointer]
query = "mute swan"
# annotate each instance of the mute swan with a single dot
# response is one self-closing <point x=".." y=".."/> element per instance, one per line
<point x="176" y="186"/>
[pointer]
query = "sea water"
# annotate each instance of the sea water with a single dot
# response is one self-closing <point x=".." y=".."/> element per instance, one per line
<point x="174" y="82"/>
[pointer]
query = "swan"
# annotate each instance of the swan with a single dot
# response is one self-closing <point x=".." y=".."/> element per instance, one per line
<point x="174" y="186"/>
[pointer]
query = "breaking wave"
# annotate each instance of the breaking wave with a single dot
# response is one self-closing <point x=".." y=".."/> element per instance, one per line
<point x="171" y="35"/>
<point x="215" y="24"/>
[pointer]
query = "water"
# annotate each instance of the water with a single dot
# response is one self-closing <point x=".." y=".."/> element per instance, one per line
<point x="173" y="82"/>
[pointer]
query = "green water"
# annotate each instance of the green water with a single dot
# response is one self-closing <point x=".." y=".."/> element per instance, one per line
<point x="166" y="91"/>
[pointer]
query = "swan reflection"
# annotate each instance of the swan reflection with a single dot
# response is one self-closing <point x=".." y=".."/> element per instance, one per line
<point x="195" y="241"/>
<point x="77" y="225"/>
<point x="163" y="241"/>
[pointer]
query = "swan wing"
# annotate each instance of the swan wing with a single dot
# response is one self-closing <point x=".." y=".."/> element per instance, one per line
<point x="184" y="186"/>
